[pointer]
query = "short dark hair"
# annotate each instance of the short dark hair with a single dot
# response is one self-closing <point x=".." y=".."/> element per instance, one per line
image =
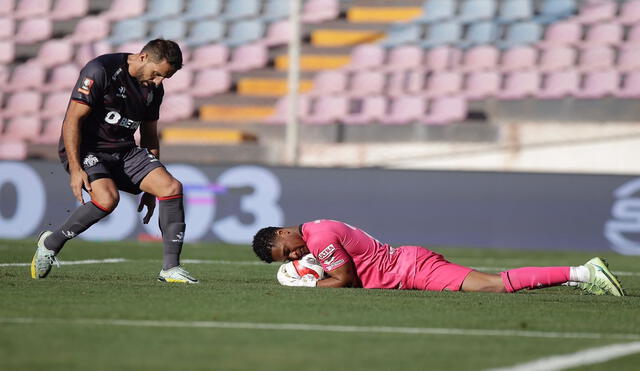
<point x="161" y="49"/>
<point x="263" y="243"/>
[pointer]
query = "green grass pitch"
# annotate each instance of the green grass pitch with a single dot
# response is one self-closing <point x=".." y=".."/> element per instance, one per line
<point x="116" y="316"/>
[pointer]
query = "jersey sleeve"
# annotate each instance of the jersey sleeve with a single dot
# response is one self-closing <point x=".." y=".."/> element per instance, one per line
<point x="332" y="257"/>
<point x="89" y="88"/>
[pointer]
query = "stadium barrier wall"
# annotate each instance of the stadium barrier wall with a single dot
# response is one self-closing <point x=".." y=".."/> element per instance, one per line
<point x="429" y="208"/>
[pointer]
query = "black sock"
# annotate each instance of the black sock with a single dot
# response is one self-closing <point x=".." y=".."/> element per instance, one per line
<point x="171" y="220"/>
<point x="82" y="218"/>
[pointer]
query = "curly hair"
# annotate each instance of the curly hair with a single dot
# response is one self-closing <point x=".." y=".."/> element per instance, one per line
<point x="263" y="243"/>
<point x="161" y="49"/>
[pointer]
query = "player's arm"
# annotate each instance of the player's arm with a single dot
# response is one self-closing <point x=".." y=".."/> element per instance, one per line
<point x="344" y="276"/>
<point x="71" y="134"/>
<point x="149" y="137"/>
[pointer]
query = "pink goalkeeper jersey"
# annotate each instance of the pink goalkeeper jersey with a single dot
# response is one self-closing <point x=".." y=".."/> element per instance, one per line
<point x="377" y="265"/>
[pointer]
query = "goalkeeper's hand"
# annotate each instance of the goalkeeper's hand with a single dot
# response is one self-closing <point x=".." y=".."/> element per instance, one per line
<point x="308" y="280"/>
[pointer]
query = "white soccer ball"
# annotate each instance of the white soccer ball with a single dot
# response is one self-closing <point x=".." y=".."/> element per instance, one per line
<point x="299" y="268"/>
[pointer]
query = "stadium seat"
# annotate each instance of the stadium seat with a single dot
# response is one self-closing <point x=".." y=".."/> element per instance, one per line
<point x="90" y="29"/>
<point x="629" y="12"/>
<point x="181" y="81"/>
<point x="630" y="86"/>
<point x="275" y="10"/>
<point x="176" y="107"/>
<point x="132" y="47"/>
<point x="445" y="110"/>
<point x="609" y="33"/>
<point x="629" y="60"/>
<point x="15" y="150"/>
<point x="477" y="10"/>
<point x="519" y="58"/>
<point x="4" y="79"/>
<point x="317" y="11"/>
<point x="248" y="57"/>
<point x="240" y="9"/>
<point x="62" y="78"/>
<point x="205" y="32"/>
<point x="54" y="53"/>
<point x="415" y="81"/>
<point x="559" y="84"/>
<point x="128" y="30"/>
<point x="209" y="82"/>
<point x="344" y="37"/>
<point x="170" y="29"/>
<point x="405" y="57"/>
<point x="68" y="9"/>
<point x="160" y="9"/>
<point x="482" y="84"/>
<point x="597" y="11"/>
<point x="329" y="82"/>
<point x="553" y="10"/>
<point x="22" y="127"/>
<point x="55" y="104"/>
<point x="7" y="7"/>
<point x="212" y="55"/>
<point x="443" y="83"/>
<point x="31" y="9"/>
<point x="201" y="9"/>
<point x="7" y="51"/>
<point x="633" y="36"/>
<point x="404" y="110"/>
<point x="366" y="110"/>
<point x="562" y="33"/>
<point x="437" y="10"/>
<point x="444" y="33"/>
<point x="367" y="82"/>
<point x="51" y="131"/>
<point x="22" y="103"/>
<point x="403" y="34"/>
<point x="366" y="56"/>
<point x="522" y="33"/>
<point x="480" y="33"/>
<point x="268" y="86"/>
<point x="559" y="58"/>
<point x="244" y="32"/>
<point x="326" y="110"/>
<point x="382" y="13"/>
<point x="26" y="76"/>
<point x="519" y="85"/>
<point x="599" y="84"/>
<point x="7" y="28"/>
<point x="597" y="58"/>
<point x="481" y="58"/>
<point x="123" y="9"/>
<point x="515" y="10"/>
<point x="278" y="33"/>
<point x="33" y="30"/>
<point x="442" y="58"/>
<point x="280" y="115"/>
<point x="87" y="51"/>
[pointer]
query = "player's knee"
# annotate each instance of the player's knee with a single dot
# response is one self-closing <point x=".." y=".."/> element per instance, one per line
<point x="174" y="188"/>
<point x="107" y="202"/>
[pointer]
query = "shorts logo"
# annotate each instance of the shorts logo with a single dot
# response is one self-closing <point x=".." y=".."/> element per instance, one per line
<point x="90" y="160"/>
<point x="326" y="252"/>
<point x="87" y="83"/>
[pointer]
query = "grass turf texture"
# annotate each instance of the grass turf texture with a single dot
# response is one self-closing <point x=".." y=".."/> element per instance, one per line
<point x="249" y="293"/>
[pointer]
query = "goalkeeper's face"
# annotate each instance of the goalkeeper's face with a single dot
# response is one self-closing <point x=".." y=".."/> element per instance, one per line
<point x="288" y="246"/>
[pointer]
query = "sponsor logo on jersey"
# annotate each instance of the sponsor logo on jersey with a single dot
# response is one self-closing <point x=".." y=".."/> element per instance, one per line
<point x="335" y="264"/>
<point x="87" y="83"/>
<point x="329" y="261"/>
<point x="324" y="254"/>
<point x="90" y="160"/>
<point x="122" y="92"/>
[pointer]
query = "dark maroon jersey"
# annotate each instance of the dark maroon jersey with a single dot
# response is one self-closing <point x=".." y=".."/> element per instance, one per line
<point x="119" y="104"/>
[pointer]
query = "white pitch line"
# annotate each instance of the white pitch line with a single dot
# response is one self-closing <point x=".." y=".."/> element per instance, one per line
<point x="71" y="262"/>
<point x="582" y="358"/>
<point x="321" y="328"/>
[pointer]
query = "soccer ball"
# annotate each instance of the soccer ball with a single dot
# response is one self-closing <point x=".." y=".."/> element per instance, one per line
<point x="299" y="268"/>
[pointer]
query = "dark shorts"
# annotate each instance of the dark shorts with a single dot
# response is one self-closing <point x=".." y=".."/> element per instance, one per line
<point x="126" y="168"/>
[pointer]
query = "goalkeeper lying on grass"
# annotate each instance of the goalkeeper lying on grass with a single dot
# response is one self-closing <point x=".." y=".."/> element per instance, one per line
<point x="352" y="258"/>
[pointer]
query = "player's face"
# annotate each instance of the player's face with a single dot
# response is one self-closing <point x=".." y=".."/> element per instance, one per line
<point x="152" y="73"/>
<point x="288" y="247"/>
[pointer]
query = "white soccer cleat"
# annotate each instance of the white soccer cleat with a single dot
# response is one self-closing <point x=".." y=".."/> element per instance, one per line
<point x="43" y="259"/>
<point x="602" y="281"/>
<point x="176" y="275"/>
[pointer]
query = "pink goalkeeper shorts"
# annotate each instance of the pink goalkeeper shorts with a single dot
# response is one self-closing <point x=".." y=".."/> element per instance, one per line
<point x="435" y="273"/>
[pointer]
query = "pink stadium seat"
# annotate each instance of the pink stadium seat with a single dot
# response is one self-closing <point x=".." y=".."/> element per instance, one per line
<point x="558" y="58"/>
<point x="316" y="11"/>
<point x="519" y="58"/>
<point x="4" y="78"/>
<point x="122" y="9"/>
<point x="365" y="110"/>
<point x="365" y="83"/>
<point x="280" y="115"/>
<point x="443" y="83"/>
<point x="23" y="127"/>
<point x="482" y="84"/>
<point x="559" y="84"/>
<point x="207" y="56"/>
<point x="599" y="84"/>
<point x="630" y="12"/>
<point x="609" y="33"/>
<point x="32" y="30"/>
<point x="176" y="107"/>
<point x="68" y="9"/>
<point x="31" y="9"/>
<point x="398" y="82"/>
<point x="329" y="82"/>
<point x="23" y="103"/>
<point x="278" y="33"/>
<point x="633" y="36"/>
<point x="62" y="78"/>
<point x="130" y="47"/>
<point x="326" y="110"/>
<point x="7" y="7"/>
<point x="179" y="82"/>
<point x="248" y="57"/>
<point x="443" y="58"/>
<point x="597" y="58"/>
<point x="90" y="29"/>
<point x="366" y="56"/>
<point x="55" y="104"/>
<point x="562" y="33"/>
<point x="51" y="131"/>
<point x="595" y="11"/>
<point x="416" y="81"/>
<point x="446" y="110"/>
<point x="7" y="51"/>
<point x="54" y="52"/>
<point x="630" y="86"/>
<point x="209" y="82"/>
<point x="15" y="150"/>
<point x="519" y="85"/>
<point x="629" y="59"/>
<point x="87" y="51"/>
<point x="25" y="76"/>
<point x="484" y="57"/>
<point x="7" y="28"/>
<point x="405" y="57"/>
<point x="404" y="110"/>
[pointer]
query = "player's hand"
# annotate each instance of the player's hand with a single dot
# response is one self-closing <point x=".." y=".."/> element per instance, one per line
<point x="79" y="178"/>
<point x="149" y="201"/>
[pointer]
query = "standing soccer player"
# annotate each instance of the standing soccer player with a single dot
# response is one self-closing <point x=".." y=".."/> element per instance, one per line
<point x="352" y="258"/>
<point x="114" y="96"/>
